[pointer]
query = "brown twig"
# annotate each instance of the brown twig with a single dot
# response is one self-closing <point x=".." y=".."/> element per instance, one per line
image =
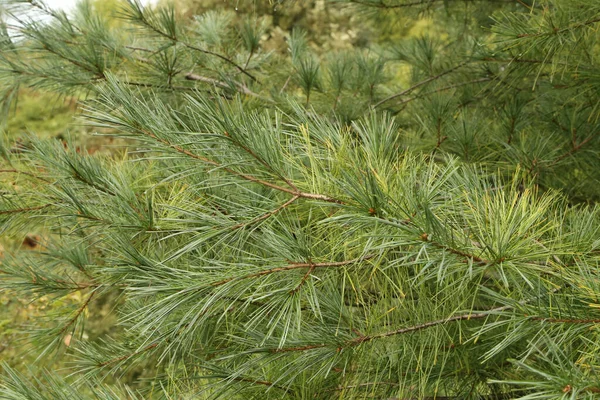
<point x="80" y="310"/>
<point x="16" y="171"/>
<point x="419" y="84"/>
<point x="257" y="382"/>
<point x="365" y="384"/>
<point x="240" y="87"/>
<point x="382" y="5"/>
<point x="250" y="178"/>
<point x="127" y="356"/>
<point x="303" y="280"/>
<point x="152" y="86"/>
<point x="565" y="320"/>
<point x="425" y="238"/>
<point x="267" y="214"/>
<point x="293" y="266"/>
<point x="414" y="328"/>
<point x="144" y="20"/>
<point x="575" y="149"/>
<point x="260" y="160"/>
<point x="457" y="85"/>
<point x="19" y="210"/>
<point x="222" y="57"/>
<point x="557" y="31"/>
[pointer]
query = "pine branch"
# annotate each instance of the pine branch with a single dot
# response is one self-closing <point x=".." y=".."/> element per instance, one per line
<point x="576" y="148"/>
<point x="267" y="214"/>
<point x="419" y="84"/>
<point x="565" y="320"/>
<point x="293" y="266"/>
<point x="19" y="172"/>
<point x="382" y="5"/>
<point x="445" y="88"/>
<point x="153" y="86"/>
<point x="239" y="87"/>
<point x="250" y="178"/>
<point x="80" y="311"/>
<point x="304" y="279"/>
<point x="26" y="209"/>
<point x="557" y="31"/>
<point x="430" y="324"/>
<point x="127" y="356"/>
<point x="261" y="161"/>
<point x="364" y="384"/>
<point x="415" y="328"/>
<point x="142" y="18"/>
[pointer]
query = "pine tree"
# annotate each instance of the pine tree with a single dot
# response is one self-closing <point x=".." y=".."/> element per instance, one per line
<point x="400" y="215"/>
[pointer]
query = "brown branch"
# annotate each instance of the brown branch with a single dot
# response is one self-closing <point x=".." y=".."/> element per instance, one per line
<point x="72" y="61"/>
<point x="240" y="87"/>
<point x="191" y="77"/>
<point x="557" y="31"/>
<point x="425" y="238"/>
<point x="303" y="280"/>
<point x="145" y="21"/>
<point x="16" y="171"/>
<point x="444" y="89"/>
<point x="19" y="210"/>
<point x="257" y="382"/>
<point x="80" y="310"/>
<point x="152" y="86"/>
<point x="267" y="214"/>
<point x="426" y="325"/>
<point x="382" y="5"/>
<point x="127" y="356"/>
<point x="365" y="384"/>
<point x="260" y="160"/>
<point x="414" y="328"/>
<point x="565" y="320"/>
<point x="516" y="60"/>
<point x="250" y="178"/>
<point x="575" y="149"/>
<point x="419" y="84"/>
<point x="222" y="57"/>
<point x="292" y="267"/>
<point x="299" y="348"/>
<point x="140" y="49"/>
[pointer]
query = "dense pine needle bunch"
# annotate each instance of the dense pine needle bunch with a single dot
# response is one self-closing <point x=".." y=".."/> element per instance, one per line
<point x="408" y="215"/>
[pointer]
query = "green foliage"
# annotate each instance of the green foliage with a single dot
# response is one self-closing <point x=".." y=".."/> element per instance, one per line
<point x="411" y="219"/>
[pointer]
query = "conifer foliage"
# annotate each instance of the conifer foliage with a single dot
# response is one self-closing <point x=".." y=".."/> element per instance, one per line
<point x="402" y="216"/>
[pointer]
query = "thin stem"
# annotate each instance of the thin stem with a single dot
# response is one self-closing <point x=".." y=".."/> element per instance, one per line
<point x="267" y="214"/>
<point x="80" y="310"/>
<point x="426" y="325"/>
<point x="142" y="18"/>
<point x="293" y="266"/>
<point x="575" y="149"/>
<point x="304" y="279"/>
<point x="250" y="178"/>
<point x="557" y="31"/>
<point x="240" y="87"/>
<point x="383" y="5"/>
<point x="419" y="84"/>
<point x="26" y="209"/>
<point x="16" y="171"/>
<point x="127" y="356"/>
<point x="442" y="89"/>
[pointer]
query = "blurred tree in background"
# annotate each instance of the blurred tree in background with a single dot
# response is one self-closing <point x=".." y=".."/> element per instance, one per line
<point x="387" y="199"/>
